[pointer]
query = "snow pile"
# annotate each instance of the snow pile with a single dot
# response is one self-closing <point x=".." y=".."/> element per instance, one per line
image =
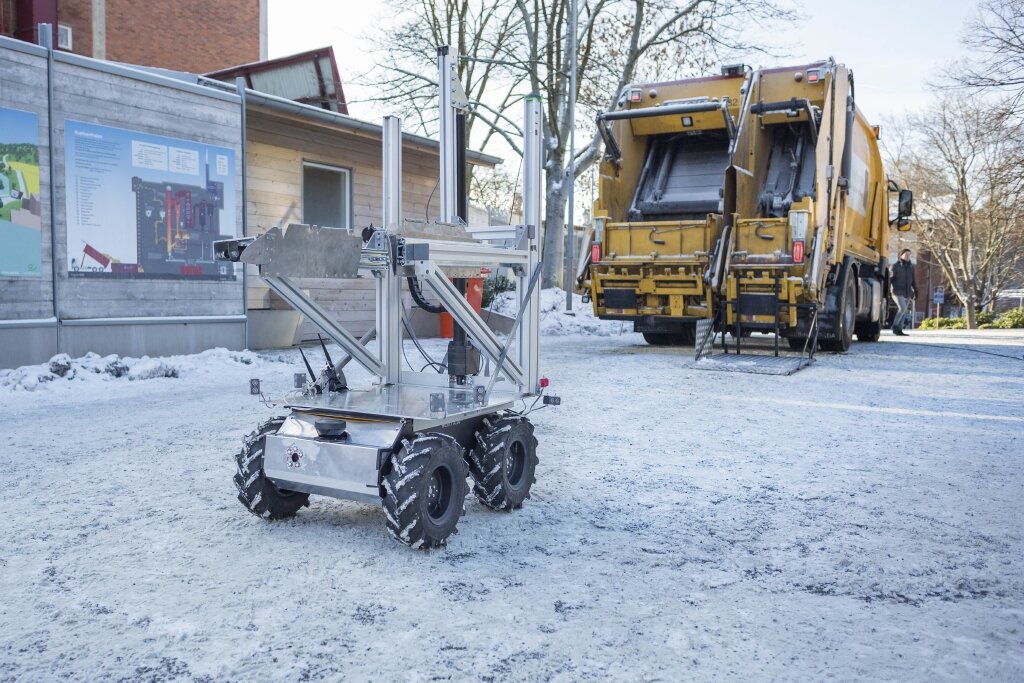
<point x="95" y="368"/>
<point x="554" y="321"/>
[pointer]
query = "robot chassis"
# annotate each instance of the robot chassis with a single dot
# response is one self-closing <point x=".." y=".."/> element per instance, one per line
<point x="412" y="439"/>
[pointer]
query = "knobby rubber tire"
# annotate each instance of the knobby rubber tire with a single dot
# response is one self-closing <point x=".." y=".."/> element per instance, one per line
<point x="503" y="462"/>
<point x="258" y="494"/>
<point x="413" y="517"/>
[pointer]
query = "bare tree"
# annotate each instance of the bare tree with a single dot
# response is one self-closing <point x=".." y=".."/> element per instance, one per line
<point x="959" y="157"/>
<point x="405" y="54"/>
<point x="995" y="36"/>
<point x="523" y="46"/>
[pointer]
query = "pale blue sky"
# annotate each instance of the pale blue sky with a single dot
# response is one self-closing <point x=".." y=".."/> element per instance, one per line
<point x="893" y="46"/>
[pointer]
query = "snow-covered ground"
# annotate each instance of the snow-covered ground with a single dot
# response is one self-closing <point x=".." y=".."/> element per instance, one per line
<point x="861" y="519"/>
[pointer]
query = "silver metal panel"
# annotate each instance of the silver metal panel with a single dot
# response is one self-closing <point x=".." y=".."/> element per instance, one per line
<point x="445" y="253"/>
<point x="753" y="364"/>
<point x="306" y="251"/>
<point x="340" y="468"/>
<point x="296" y="459"/>
<point x="704" y="346"/>
<point x="406" y="402"/>
<point x="494" y="233"/>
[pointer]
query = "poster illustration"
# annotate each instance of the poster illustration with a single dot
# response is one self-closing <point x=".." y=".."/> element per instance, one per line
<point x="20" y="209"/>
<point x="146" y="206"/>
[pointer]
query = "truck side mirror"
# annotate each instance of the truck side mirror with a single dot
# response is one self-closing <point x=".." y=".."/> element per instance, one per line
<point x="906" y="204"/>
<point x="904" y="210"/>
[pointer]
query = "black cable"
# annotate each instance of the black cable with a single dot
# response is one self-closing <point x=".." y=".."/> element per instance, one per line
<point x="426" y="207"/>
<point x="416" y="341"/>
<point x="417" y="297"/>
<point x="963" y="348"/>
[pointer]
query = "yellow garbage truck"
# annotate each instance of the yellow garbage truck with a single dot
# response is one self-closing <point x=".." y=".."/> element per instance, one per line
<point x="659" y="211"/>
<point x="804" y="249"/>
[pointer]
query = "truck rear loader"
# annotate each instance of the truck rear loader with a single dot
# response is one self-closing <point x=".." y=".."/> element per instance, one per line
<point x="658" y="213"/>
<point x="757" y="199"/>
<point x="805" y="240"/>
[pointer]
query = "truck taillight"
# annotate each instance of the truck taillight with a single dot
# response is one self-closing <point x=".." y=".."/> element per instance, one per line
<point x="798" y="224"/>
<point x="798" y="251"/>
<point x="595" y="252"/>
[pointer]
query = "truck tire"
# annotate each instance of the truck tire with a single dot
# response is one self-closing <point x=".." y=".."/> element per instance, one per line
<point x="504" y="462"/>
<point x="796" y="343"/>
<point x="869" y="331"/>
<point x="657" y="338"/>
<point x="258" y="494"/>
<point x="425" y="491"/>
<point x="688" y="335"/>
<point x="846" y="319"/>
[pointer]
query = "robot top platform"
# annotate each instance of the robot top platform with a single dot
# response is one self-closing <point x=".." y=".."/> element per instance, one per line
<point x="408" y="401"/>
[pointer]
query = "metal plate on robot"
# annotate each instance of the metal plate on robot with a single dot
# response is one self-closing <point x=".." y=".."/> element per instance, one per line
<point x="306" y="251"/>
<point x="409" y="402"/>
<point x="452" y="272"/>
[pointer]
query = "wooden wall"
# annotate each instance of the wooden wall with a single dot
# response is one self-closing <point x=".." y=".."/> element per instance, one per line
<point x="278" y="144"/>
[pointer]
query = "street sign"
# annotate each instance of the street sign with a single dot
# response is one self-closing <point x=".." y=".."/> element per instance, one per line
<point x="939" y="296"/>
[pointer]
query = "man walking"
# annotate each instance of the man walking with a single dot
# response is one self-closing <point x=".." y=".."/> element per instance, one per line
<point x="904" y="290"/>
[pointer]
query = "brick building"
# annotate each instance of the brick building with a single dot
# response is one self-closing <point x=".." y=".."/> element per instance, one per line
<point x="196" y="36"/>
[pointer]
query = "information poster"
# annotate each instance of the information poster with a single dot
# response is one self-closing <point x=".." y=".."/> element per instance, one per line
<point x="146" y="206"/>
<point x="20" y="208"/>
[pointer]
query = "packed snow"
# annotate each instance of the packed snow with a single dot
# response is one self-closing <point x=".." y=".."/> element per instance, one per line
<point x="860" y="519"/>
<point x="95" y="368"/>
<point x="555" y="321"/>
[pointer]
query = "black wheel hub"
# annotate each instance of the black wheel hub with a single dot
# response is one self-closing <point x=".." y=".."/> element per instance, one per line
<point x="515" y="463"/>
<point x="439" y="493"/>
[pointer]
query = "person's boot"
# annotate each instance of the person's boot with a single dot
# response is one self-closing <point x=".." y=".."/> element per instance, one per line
<point x="898" y="331"/>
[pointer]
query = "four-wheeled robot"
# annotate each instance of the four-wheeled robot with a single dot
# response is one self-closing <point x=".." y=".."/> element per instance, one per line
<point x="412" y="439"/>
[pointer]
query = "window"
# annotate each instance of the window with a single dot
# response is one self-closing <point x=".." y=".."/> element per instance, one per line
<point x="64" y="37"/>
<point x="326" y="196"/>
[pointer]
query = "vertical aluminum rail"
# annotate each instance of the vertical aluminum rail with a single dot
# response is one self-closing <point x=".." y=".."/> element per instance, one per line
<point x="389" y="285"/>
<point x="533" y="158"/>
<point x="447" y="58"/>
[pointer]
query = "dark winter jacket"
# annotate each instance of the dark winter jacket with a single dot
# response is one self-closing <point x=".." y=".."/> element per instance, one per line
<point x="903" y="283"/>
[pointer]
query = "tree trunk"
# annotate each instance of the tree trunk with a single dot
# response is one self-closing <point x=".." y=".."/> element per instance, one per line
<point x="555" y="191"/>
<point x="971" y="315"/>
